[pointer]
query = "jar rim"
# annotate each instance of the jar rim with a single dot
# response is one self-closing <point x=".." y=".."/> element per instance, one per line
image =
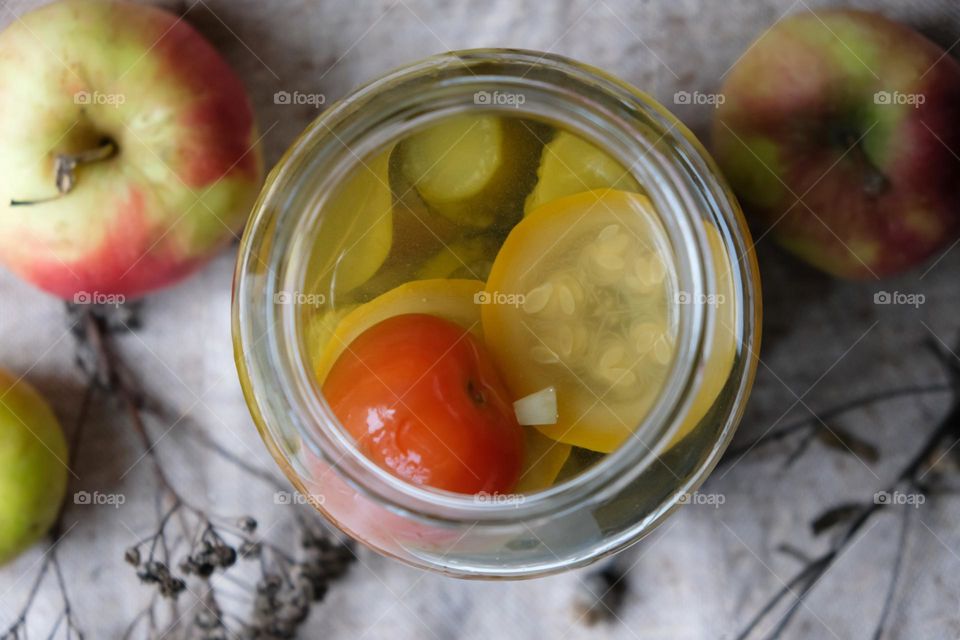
<point x="351" y="124"/>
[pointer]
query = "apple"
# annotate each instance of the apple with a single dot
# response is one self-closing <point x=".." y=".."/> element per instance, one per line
<point x="840" y="132"/>
<point x="33" y="466"/>
<point x="130" y="150"/>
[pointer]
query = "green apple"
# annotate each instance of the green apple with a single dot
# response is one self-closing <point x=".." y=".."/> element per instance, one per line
<point x="33" y="466"/>
<point x="839" y="131"/>
<point x="129" y="153"/>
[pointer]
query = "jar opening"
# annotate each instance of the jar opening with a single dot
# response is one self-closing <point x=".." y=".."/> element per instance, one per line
<point x="414" y="109"/>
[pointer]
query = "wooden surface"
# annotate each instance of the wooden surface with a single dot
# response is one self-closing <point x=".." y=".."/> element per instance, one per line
<point x="707" y="569"/>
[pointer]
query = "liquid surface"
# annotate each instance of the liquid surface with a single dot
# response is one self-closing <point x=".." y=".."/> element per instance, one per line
<point x="546" y="254"/>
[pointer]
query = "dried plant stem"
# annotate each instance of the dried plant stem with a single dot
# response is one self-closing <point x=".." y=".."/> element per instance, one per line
<point x="898" y="563"/>
<point x="812" y="422"/>
<point x="944" y="436"/>
<point x="288" y="581"/>
<point x="112" y="374"/>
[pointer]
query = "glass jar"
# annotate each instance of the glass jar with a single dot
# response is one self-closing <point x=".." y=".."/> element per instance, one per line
<point x="610" y="504"/>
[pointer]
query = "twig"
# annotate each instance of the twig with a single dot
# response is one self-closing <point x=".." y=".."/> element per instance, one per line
<point x="67" y="608"/>
<point x="205" y="440"/>
<point x="288" y="582"/>
<point x="898" y="562"/>
<point x="107" y="363"/>
<point x="31" y="596"/>
<point x="812" y="421"/>
<point x="909" y="475"/>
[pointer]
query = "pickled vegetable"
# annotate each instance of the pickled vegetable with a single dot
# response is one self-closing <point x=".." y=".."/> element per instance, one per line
<point x="545" y="250"/>
<point x="418" y="229"/>
<point x="452" y="300"/>
<point x="539" y="407"/>
<point x="570" y="165"/>
<point x="721" y="348"/>
<point x="472" y="258"/>
<point x="355" y="231"/>
<point x="586" y="306"/>
<point x="543" y="458"/>
<point x="475" y="170"/>
<point x="422" y="399"/>
<point x="329" y="333"/>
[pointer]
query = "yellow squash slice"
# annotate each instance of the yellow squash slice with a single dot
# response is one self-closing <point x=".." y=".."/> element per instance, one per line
<point x="582" y="298"/>
<point x="570" y="165"/>
<point x="355" y="230"/>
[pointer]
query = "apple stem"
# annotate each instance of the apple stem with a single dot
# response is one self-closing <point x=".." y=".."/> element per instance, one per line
<point x="65" y="168"/>
<point x="875" y="182"/>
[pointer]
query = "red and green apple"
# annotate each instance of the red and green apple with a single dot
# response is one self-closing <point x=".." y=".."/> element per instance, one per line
<point x="840" y="133"/>
<point x="130" y="149"/>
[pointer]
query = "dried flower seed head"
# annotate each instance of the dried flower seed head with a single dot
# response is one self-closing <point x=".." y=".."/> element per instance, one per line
<point x="269" y="584"/>
<point x="247" y="524"/>
<point x="208" y="620"/>
<point x="171" y="587"/>
<point x="226" y="556"/>
<point x="132" y="556"/>
<point x="250" y="549"/>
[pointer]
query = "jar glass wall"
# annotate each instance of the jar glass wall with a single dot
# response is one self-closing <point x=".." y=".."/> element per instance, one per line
<point x="607" y="501"/>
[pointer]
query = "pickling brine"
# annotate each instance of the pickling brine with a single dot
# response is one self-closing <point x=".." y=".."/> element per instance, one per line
<point x="496" y="314"/>
<point x="534" y="248"/>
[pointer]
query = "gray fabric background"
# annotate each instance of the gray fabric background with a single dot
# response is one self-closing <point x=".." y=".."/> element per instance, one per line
<point x="707" y="569"/>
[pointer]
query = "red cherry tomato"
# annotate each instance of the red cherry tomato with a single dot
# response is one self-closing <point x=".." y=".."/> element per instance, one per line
<point x="422" y="398"/>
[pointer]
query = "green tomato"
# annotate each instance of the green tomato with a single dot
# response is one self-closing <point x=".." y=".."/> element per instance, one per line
<point x="33" y="466"/>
